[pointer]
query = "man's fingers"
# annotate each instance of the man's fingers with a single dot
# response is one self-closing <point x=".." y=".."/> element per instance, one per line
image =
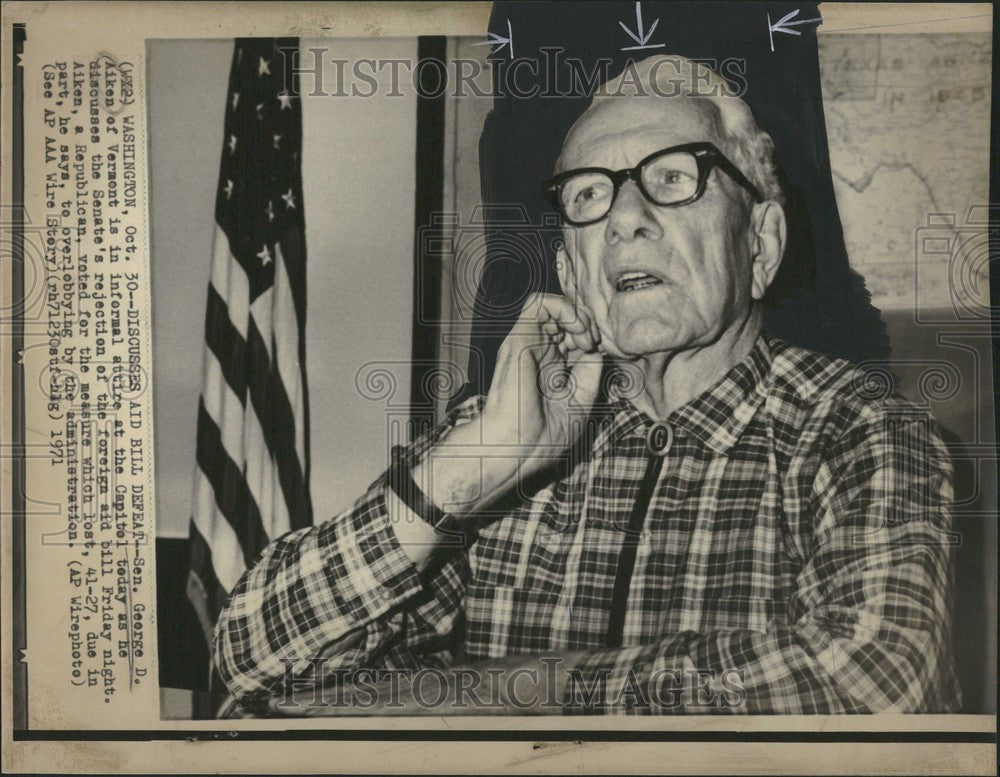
<point x="568" y="317"/>
<point x="552" y="333"/>
<point x="558" y="321"/>
<point x="576" y="342"/>
<point x="550" y="328"/>
<point x="544" y="308"/>
<point x="575" y="320"/>
<point x="584" y="341"/>
<point x="586" y="371"/>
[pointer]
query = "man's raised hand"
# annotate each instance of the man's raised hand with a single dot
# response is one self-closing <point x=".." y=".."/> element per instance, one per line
<point x="548" y="373"/>
<point x="546" y="381"/>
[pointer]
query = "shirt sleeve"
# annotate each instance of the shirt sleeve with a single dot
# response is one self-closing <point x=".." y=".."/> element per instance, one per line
<point x="868" y="626"/>
<point x="341" y="594"/>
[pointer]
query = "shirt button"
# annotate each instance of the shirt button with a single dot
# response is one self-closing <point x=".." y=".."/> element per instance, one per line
<point x="659" y="438"/>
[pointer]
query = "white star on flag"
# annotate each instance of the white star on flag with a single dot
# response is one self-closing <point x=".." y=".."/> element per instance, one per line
<point x="236" y="99"/>
<point x="228" y="188"/>
<point x="277" y="141"/>
<point x="259" y="107"/>
<point x="286" y="100"/>
<point x="289" y="198"/>
<point x="232" y="144"/>
<point x="264" y="67"/>
<point x="270" y="210"/>
<point x="265" y="254"/>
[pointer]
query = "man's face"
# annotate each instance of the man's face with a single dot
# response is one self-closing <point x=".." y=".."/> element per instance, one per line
<point x="698" y="255"/>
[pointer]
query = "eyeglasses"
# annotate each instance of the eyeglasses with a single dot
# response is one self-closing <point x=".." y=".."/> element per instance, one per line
<point x="670" y="177"/>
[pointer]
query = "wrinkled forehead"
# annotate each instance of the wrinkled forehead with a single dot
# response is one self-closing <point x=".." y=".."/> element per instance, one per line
<point x="616" y="130"/>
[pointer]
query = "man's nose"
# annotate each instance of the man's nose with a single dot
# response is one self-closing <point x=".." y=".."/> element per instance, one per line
<point x="631" y="216"/>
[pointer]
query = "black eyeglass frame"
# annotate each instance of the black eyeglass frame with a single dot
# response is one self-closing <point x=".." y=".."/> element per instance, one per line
<point x="707" y="156"/>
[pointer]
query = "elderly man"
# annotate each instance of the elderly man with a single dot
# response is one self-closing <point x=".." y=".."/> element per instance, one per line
<point x="740" y="526"/>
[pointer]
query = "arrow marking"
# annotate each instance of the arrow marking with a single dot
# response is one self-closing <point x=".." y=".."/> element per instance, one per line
<point x="784" y="24"/>
<point x="640" y="37"/>
<point x="499" y="41"/>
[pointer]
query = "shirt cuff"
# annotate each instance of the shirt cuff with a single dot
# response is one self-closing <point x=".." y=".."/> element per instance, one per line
<point x="371" y="572"/>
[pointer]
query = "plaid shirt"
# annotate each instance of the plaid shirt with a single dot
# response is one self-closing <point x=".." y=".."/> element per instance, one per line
<point x="794" y="558"/>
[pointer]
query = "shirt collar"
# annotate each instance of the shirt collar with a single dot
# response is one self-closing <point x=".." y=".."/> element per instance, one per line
<point x="717" y="417"/>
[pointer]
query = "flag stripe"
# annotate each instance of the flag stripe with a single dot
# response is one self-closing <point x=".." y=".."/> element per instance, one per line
<point x="227" y="344"/>
<point x="261" y="481"/>
<point x="203" y="588"/>
<point x="241" y="430"/>
<point x="293" y="255"/>
<point x="240" y="359"/>
<point x="224" y="407"/>
<point x="227" y="553"/>
<point x="268" y="396"/>
<point x="230" y="282"/>
<point x="286" y="344"/>
<point x="231" y="493"/>
<point x="262" y="315"/>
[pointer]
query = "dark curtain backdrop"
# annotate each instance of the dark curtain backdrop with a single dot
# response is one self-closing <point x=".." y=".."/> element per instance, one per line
<point x="817" y="301"/>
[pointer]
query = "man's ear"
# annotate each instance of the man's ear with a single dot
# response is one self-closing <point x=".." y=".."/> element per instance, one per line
<point x="565" y="273"/>
<point x="768" y="244"/>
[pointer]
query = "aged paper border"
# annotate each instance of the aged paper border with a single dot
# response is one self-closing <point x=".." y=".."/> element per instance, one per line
<point x="932" y="744"/>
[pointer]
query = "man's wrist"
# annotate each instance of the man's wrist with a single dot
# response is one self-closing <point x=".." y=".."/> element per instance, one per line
<point x="417" y="538"/>
<point x="402" y="484"/>
<point x="458" y="476"/>
<point x="466" y="470"/>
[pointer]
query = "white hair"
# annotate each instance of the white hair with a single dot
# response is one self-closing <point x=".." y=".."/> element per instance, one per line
<point x="671" y="76"/>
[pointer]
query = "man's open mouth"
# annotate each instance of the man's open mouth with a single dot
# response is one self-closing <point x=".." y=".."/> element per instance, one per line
<point x="633" y="281"/>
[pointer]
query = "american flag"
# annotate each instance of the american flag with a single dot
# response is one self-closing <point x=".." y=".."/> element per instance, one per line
<point x="252" y="476"/>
